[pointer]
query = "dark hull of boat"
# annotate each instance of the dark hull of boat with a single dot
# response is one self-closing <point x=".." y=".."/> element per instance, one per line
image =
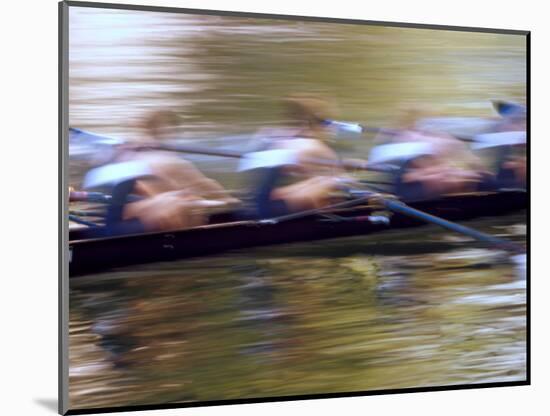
<point x="99" y="254"/>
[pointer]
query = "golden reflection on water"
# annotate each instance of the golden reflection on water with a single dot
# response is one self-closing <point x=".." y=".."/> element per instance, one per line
<point x="226" y="75"/>
<point x="298" y="319"/>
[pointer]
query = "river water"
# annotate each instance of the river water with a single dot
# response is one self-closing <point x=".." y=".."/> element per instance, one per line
<point x="429" y="309"/>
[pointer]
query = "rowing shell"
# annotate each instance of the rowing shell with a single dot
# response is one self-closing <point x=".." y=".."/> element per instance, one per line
<point x="90" y="255"/>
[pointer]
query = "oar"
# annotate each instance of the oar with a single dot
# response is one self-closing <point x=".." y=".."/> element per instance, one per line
<point x="78" y="220"/>
<point x="358" y="128"/>
<point x="342" y="163"/>
<point x="96" y="197"/>
<point x="174" y="147"/>
<point x="472" y="129"/>
<point x="82" y="196"/>
<point x="404" y="209"/>
<point x="314" y="211"/>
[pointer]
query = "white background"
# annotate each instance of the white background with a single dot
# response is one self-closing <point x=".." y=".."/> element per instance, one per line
<point x="29" y="205"/>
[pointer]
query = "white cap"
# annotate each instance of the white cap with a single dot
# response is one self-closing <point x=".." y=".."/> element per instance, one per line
<point x="115" y="173"/>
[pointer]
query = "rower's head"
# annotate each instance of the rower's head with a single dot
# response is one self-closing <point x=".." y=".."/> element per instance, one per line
<point x="514" y="115"/>
<point x="307" y="111"/>
<point x="160" y="125"/>
<point x="408" y="116"/>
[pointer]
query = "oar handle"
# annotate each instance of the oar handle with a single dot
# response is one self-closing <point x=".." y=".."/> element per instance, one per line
<point x="314" y="211"/>
<point x="358" y="128"/>
<point x="82" y="196"/>
<point x="81" y="221"/>
<point x="192" y="150"/>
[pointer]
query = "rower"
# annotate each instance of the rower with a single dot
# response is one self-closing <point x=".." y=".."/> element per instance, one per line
<point x="427" y="163"/>
<point x="510" y="141"/>
<point x="287" y="178"/>
<point x="155" y="190"/>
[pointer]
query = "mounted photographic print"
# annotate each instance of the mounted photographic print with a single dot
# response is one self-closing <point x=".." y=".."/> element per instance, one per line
<point x="265" y="208"/>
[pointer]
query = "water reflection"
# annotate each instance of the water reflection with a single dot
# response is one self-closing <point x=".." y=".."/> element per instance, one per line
<point x="224" y="75"/>
<point x="293" y="321"/>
